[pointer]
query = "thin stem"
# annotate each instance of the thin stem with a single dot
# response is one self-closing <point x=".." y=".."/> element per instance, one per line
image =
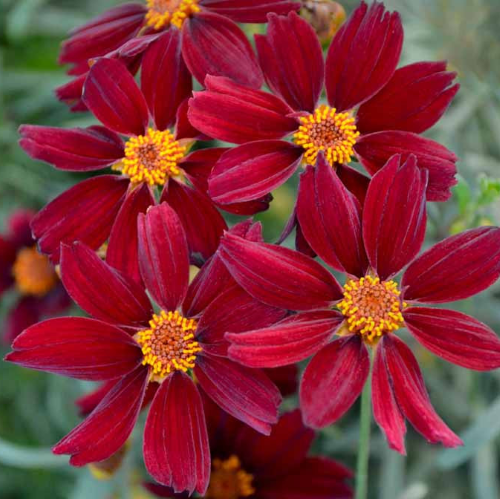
<point x="364" y="441"/>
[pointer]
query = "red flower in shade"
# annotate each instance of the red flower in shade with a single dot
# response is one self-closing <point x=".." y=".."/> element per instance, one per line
<point x="212" y="43"/>
<point x="246" y="464"/>
<point x="152" y="158"/>
<point x="31" y="274"/>
<point x="127" y="343"/>
<point x="373" y="111"/>
<point x="370" y="248"/>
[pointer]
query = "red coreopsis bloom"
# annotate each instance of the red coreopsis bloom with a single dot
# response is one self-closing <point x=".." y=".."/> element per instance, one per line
<point x="338" y="324"/>
<point x="152" y="158"/>
<point x="127" y="343"/>
<point x="31" y="274"/>
<point x="373" y="110"/>
<point x="247" y="464"/>
<point x="212" y="43"/>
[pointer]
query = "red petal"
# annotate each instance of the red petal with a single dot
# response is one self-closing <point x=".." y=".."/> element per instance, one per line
<point x="71" y="93"/>
<point x="176" y="451"/>
<point x="411" y="395"/>
<point x="279" y="276"/>
<point x="122" y="251"/>
<point x="110" y="424"/>
<point x="413" y="100"/>
<point x="291" y="340"/>
<point x="247" y="394"/>
<point x="333" y="381"/>
<point x="22" y="315"/>
<point x="455" y="337"/>
<point x="183" y="127"/>
<point x="203" y="224"/>
<point x="330" y="219"/>
<point x="85" y="213"/>
<point x="292" y="60"/>
<point x="199" y="164"/>
<point x="165" y="79"/>
<point x="363" y="55"/>
<point x="162" y="491"/>
<point x="355" y="181"/>
<point x="385" y="407"/>
<point x="375" y="149"/>
<point x="74" y="149"/>
<point x="456" y="268"/>
<point x="88" y="402"/>
<point x="102" y="291"/>
<point x="234" y="113"/>
<point x="215" y="45"/>
<point x="78" y="348"/>
<point x="250" y="11"/>
<point x="394" y="216"/>
<point x="252" y="170"/>
<point x="114" y="98"/>
<point x="163" y="256"/>
<point x="285" y="378"/>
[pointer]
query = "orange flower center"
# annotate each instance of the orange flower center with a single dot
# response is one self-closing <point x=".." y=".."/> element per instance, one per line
<point x="228" y="480"/>
<point x="372" y="308"/>
<point x="151" y="158"/>
<point x="33" y="273"/>
<point x="326" y="130"/>
<point x="169" y="344"/>
<point x="162" y="13"/>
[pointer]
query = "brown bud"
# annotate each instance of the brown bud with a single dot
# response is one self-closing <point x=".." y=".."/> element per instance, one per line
<point x="325" y="16"/>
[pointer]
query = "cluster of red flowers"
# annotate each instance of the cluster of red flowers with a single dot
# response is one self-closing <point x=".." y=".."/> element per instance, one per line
<point x="206" y="355"/>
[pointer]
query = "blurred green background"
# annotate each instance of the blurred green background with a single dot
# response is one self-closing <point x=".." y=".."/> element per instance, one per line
<point x="36" y="409"/>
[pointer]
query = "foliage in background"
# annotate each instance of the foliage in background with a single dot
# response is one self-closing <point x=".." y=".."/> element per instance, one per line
<point x="36" y="409"/>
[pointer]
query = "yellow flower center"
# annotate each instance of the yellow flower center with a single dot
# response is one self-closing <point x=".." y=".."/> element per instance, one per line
<point x="228" y="480"/>
<point x="162" y="13"/>
<point x="33" y="273"/>
<point x="151" y="158"/>
<point x="372" y="308"/>
<point x="328" y="131"/>
<point x="169" y="344"/>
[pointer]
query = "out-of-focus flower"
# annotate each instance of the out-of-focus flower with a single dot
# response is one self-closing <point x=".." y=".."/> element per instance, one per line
<point x="127" y="343"/>
<point x="338" y="324"/>
<point x="212" y="43"/>
<point x="247" y="464"/>
<point x="325" y="16"/>
<point x="31" y="274"/>
<point x="373" y="110"/>
<point x="152" y="158"/>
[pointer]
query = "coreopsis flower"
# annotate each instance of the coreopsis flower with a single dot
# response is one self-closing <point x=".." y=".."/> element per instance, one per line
<point x="126" y="342"/>
<point x="30" y="274"/>
<point x="152" y="159"/>
<point x="247" y="464"/>
<point x="212" y="42"/>
<point x="373" y="110"/>
<point x="338" y="324"/>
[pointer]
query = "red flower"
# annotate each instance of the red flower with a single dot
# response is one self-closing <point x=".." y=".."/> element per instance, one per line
<point x="31" y="274"/>
<point x="212" y="43"/>
<point x="392" y="107"/>
<point x="152" y="158"/>
<point x="246" y="464"/>
<point x="370" y="247"/>
<point x="127" y="343"/>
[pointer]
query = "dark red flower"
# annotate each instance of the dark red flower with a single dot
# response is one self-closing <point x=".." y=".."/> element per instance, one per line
<point x="30" y="274"/>
<point x="373" y="111"/>
<point x="152" y="158"/>
<point x="247" y="464"/>
<point x="212" y="42"/>
<point x="125" y="342"/>
<point x="337" y="324"/>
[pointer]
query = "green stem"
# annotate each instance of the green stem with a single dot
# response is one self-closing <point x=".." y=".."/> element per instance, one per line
<point x="364" y="442"/>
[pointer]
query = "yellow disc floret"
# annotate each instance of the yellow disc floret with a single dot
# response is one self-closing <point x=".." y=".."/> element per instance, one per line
<point x="169" y="344"/>
<point x="151" y="158"/>
<point x="33" y="273"/>
<point x="228" y="480"/>
<point x="162" y="13"/>
<point x="372" y="307"/>
<point x="326" y="130"/>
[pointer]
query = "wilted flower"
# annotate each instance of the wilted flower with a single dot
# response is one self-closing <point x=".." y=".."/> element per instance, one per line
<point x="339" y="324"/>
<point x="31" y="274"/>
<point x="128" y="343"/>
